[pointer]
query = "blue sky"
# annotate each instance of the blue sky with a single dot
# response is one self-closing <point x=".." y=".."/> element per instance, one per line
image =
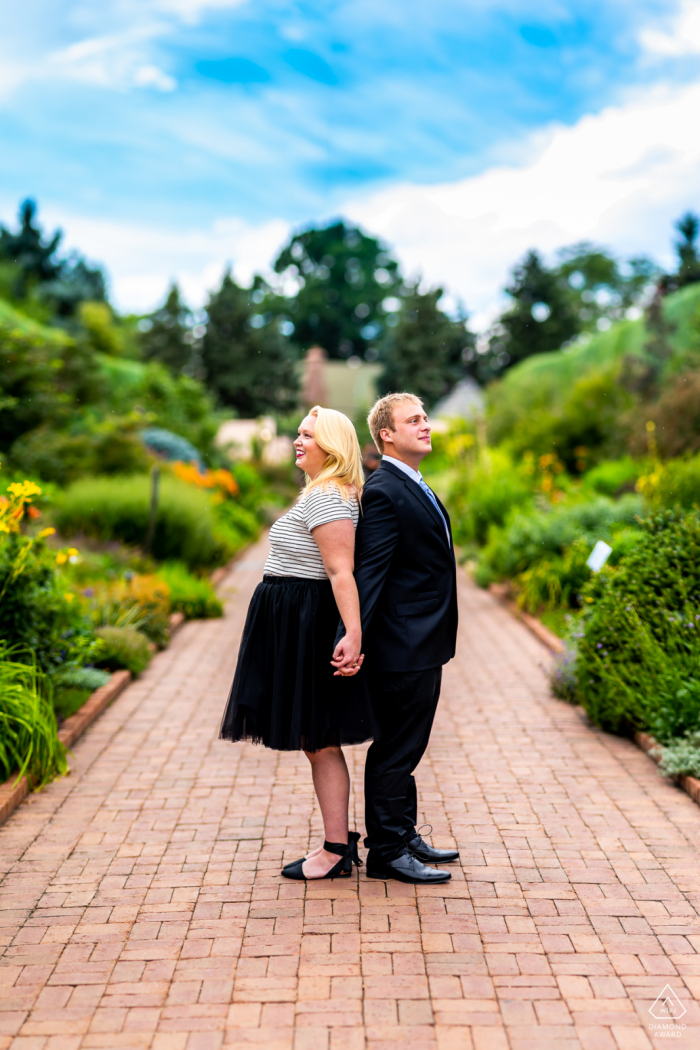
<point x="204" y="121"/>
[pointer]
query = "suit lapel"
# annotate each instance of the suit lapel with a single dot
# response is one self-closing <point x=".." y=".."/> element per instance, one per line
<point x="417" y="492"/>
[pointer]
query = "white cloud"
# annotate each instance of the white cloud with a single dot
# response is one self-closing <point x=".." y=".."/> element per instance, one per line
<point x="683" y="37"/>
<point x="151" y="76"/>
<point x="619" y="178"/>
<point x="189" y="11"/>
<point x="141" y="261"/>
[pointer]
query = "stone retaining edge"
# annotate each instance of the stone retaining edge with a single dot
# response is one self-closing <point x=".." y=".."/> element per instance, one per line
<point x="691" y="785"/>
<point x="14" y="791"/>
<point x="499" y="591"/>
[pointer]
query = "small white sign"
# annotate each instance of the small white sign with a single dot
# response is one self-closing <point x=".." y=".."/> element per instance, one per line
<point x="598" y="556"/>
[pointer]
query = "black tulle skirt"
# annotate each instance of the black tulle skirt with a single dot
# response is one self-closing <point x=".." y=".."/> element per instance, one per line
<point x="284" y="693"/>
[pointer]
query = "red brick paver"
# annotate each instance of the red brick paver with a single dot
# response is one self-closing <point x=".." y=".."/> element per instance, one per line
<point x="142" y="904"/>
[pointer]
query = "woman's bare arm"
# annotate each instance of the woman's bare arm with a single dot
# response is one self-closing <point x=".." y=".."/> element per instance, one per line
<point x="336" y="542"/>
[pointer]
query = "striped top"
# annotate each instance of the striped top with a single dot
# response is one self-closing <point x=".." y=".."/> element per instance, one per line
<point x="294" y="550"/>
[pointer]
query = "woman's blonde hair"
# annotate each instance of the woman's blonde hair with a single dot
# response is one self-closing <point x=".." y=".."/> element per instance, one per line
<point x="335" y="434"/>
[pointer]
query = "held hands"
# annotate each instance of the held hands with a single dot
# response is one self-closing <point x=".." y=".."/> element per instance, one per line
<point x="347" y="658"/>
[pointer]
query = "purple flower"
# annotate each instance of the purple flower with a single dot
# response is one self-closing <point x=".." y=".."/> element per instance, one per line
<point x="89" y="592"/>
<point x="599" y="645"/>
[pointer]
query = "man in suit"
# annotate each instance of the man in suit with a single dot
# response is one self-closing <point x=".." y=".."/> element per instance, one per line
<point x="406" y="580"/>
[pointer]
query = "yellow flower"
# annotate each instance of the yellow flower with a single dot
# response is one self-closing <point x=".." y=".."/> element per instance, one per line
<point x="61" y="558"/>
<point x="69" y="597"/>
<point x="72" y="551"/>
<point x="45" y="532"/>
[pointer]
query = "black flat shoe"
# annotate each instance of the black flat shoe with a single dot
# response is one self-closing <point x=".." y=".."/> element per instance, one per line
<point x="353" y="839"/>
<point x="341" y="870"/>
<point x="405" y="868"/>
<point x="428" y="854"/>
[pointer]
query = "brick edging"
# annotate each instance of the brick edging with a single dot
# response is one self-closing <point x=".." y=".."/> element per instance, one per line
<point x="14" y="791"/>
<point x="499" y="591"/>
<point x="691" y="785"/>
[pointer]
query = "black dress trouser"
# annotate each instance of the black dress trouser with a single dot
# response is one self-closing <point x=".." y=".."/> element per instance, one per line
<point x="405" y="705"/>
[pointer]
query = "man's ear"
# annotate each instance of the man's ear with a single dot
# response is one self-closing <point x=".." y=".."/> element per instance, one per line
<point x="388" y="440"/>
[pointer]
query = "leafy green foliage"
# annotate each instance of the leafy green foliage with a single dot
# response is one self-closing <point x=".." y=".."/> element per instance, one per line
<point x="676" y="416"/>
<point x="42" y="382"/>
<point x="613" y="477"/>
<point x="186" y="527"/>
<point x="110" y="446"/>
<point x="529" y="538"/>
<point x="28" y="733"/>
<point x="124" y="647"/>
<point x="682" y="757"/>
<point x="640" y="647"/>
<point x="191" y="595"/>
<point x="484" y="493"/>
<point x="248" y="366"/>
<point x="426" y="351"/>
<point x="35" y="614"/>
<point x="679" y="484"/>
<point x="344" y="277"/>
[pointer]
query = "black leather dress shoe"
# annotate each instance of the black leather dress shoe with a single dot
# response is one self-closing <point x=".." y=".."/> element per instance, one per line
<point x="428" y="854"/>
<point x="405" y="868"/>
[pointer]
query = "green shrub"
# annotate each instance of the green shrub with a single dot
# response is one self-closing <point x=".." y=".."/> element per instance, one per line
<point x="612" y="477"/>
<point x="36" y="612"/>
<point x="191" y="595"/>
<point x="679" y="483"/>
<point x="527" y="539"/>
<point x="124" y="647"/>
<point x="90" y="678"/>
<point x="239" y="519"/>
<point x="28" y="732"/>
<point x="484" y="494"/>
<point x="64" y="456"/>
<point x="186" y="526"/>
<point x="639" y="652"/>
<point x="682" y="757"/>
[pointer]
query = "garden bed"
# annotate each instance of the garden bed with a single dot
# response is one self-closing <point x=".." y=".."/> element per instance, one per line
<point x="15" y="789"/>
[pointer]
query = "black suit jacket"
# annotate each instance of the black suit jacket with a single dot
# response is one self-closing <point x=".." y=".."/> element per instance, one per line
<point x="406" y="575"/>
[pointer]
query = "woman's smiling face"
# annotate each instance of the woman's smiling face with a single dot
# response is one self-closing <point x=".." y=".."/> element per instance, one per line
<point x="309" y="456"/>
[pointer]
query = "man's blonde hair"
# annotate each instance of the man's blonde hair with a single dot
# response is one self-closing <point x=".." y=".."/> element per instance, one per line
<point x="335" y="434"/>
<point x="382" y="415"/>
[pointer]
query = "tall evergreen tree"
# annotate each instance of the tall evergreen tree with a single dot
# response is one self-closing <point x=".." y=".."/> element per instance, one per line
<point x="688" y="258"/>
<point x="540" y="318"/>
<point x="166" y="334"/>
<point x="248" y="363"/>
<point x="35" y="258"/>
<point x="426" y="352"/>
<point x="344" y="277"/>
<point x="64" y="283"/>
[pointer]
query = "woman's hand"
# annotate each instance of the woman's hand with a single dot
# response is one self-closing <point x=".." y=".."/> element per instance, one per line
<point x="347" y="658"/>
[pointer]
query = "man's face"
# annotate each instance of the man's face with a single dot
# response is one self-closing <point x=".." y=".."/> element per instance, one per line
<point x="411" y="434"/>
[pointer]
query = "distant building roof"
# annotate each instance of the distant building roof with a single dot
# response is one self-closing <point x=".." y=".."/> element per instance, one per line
<point x="464" y="401"/>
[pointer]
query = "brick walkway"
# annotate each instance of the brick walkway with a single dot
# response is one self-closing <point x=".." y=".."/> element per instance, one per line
<point x="143" y="905"/>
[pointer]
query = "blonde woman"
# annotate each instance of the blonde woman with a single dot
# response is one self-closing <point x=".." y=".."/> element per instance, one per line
<point x="294" y="688"/>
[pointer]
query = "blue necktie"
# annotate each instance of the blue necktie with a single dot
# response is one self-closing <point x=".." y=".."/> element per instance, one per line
<point x="431" y="496"/>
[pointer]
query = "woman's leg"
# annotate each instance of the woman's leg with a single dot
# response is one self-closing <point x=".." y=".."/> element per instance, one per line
<point x="332" y="786"/>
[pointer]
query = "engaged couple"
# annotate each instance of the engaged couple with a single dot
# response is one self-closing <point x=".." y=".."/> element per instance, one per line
<point x="347" y="634"/>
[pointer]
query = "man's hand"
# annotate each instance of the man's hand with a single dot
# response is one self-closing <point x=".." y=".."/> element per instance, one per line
<point x="347" y="658"/>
